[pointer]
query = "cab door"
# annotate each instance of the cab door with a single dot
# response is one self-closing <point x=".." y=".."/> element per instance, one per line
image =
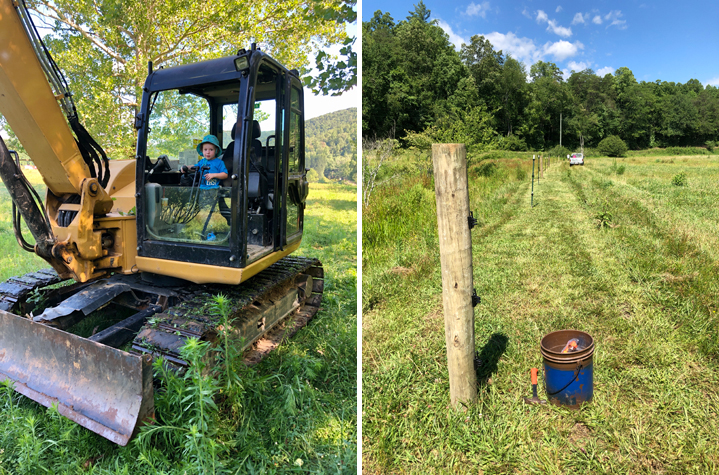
<point x="296" y="181"/>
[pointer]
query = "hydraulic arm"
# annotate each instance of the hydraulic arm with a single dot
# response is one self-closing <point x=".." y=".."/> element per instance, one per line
<point x="38" y="107"/>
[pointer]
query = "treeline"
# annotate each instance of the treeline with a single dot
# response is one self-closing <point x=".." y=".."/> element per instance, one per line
<point x="418" y="88"/>
<point x="331" y="145"/>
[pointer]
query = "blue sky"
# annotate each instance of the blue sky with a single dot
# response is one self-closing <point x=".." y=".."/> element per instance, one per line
<point x="666" y="40"/>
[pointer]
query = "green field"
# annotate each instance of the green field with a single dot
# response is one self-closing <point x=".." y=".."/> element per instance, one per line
<point x="626" y="250"/>
<point x="296" y="411"/>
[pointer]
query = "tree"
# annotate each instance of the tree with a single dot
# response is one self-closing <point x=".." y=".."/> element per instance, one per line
<point x="612" y="146"/>
<point x="549" y="98"/>
<point x="512" y="89"/>
<point x="421" y="13"/>
<point x="584" y="117"/>
<point x="485" y="64"/>
<point x="638" y="106"/>
<point x="104" y="48"/>
<point x="411" y="70"/>
<point x="337" y="75"/>
<point x="542" y="69"/>
<point x="583" y="123"/>
<point x="378" y="53"/>
<point x="707" y="105"/>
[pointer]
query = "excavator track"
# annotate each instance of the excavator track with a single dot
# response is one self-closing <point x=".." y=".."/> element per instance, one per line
<point x="270" y="306"/>
<point x="97" y="384"/>
<point x="17" y="289"/>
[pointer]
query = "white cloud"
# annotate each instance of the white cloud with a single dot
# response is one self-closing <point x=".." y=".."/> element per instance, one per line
<point x="454" y="38"/>
<point x="581" y="66"/>
<point x="477" y="9"/>
<point x="615" y="16"/>
<point x="559" y="30"/>
<point x="559" y="9"/>
<point x="521" y="49"/>
<point x="562" y="50"/>
<point x="524" y="49"/>
<point x="712" y="82"/>
<point x="553" y="26"/>
<point x="597" y="20"/>
<point x="526" y="13"/>
<point x="610" y="70"/>
<point x="579" y="18"/>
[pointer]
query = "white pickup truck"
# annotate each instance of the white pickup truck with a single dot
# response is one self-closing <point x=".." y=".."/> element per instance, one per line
<point x="576" y="159"/>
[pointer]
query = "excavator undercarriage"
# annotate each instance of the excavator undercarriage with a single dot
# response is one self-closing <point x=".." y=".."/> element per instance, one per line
<point x="104" y="382"/>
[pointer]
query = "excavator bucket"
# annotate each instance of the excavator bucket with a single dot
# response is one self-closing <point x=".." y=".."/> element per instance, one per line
<point x="105" y="390"/>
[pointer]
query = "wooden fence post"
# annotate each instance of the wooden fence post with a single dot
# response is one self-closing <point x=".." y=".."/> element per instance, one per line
<point x="455" y="248"/>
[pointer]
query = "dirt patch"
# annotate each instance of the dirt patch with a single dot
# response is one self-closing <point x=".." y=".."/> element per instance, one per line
<point x="625" y="311"/>
<point x="579" y="436"/>
<point x="653" y="465"/>
<point x="433" y="322"/>
<point x="399" y="270"/>
<point x="675" y="279"/>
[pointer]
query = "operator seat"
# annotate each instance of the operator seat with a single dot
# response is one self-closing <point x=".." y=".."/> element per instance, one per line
<point x="255" y="151"/>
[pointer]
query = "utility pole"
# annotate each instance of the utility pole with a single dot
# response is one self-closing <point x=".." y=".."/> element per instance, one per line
<point x="455" y="249"/>
<point x="560" y="129"/>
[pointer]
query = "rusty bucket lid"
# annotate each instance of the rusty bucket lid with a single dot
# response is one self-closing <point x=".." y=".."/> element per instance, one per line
<point x="553" y="343"/>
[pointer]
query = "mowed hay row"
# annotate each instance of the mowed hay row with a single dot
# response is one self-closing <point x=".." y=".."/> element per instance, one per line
<point x="627" y="257"/>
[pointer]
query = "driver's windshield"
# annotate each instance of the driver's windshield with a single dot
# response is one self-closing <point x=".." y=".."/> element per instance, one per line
<point x="177" y="124"/>
<point x="184" y="210"/>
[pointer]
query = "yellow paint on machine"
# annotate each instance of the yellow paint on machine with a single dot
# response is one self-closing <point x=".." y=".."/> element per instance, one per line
<point x="206" y="274"/>
<point x="32" y="111"/>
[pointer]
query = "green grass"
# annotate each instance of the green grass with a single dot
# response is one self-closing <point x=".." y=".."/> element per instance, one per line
<point x="13" y="260"/>
<point x="644" y="284"/>
<point x="296" y="411"/>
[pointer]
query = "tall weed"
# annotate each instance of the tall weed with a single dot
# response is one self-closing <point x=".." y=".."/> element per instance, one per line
<point x="187" y="415"/>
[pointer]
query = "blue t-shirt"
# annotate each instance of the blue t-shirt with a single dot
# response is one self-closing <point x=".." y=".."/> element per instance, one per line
<point x="216" y="166"/>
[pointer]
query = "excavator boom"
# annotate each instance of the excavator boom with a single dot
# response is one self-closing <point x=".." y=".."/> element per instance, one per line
<point x="31" y="109"/>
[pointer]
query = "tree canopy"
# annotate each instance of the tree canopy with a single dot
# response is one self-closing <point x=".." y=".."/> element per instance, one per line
<point x="104" y="47"/>
<point x="417" y="86"/>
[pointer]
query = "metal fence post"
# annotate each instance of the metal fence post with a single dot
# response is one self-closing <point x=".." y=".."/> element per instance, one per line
<point x="532" y="203"/>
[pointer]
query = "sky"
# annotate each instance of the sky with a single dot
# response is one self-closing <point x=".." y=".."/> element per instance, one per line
<point x="671" y="41"/>
<point x="316" y="106"/>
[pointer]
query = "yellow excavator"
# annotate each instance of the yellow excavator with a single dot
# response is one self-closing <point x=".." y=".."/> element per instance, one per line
<point x="139" y="239"/>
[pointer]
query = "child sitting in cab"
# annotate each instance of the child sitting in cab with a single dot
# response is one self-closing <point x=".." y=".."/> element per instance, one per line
<point x="210" y="150"/>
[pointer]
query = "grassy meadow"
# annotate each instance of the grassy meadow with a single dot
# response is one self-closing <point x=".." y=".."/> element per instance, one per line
<point x="625" y="249"/>
<point x="296" y="411"/>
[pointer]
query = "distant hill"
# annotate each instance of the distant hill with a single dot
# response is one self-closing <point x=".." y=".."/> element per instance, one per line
<point x="331" y="144"/>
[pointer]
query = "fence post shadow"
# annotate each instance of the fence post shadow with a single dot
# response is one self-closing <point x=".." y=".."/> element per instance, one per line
<point x="485" y="362"/>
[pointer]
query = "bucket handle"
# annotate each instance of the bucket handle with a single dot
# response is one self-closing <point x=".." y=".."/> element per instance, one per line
<point x="580" y="367"/>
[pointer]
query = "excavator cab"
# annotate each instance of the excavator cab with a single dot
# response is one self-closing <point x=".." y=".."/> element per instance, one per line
<point x="254" y="106"/>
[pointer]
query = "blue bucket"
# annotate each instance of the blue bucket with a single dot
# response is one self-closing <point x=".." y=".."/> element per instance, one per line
<point x="568" y="377"/>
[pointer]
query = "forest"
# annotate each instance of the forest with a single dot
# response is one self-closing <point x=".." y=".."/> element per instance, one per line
<point x="419" y="89"/>
<point x="331" y="146"/>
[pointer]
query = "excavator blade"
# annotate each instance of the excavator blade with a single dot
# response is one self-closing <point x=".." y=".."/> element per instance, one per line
<point x="106" y="390"/>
